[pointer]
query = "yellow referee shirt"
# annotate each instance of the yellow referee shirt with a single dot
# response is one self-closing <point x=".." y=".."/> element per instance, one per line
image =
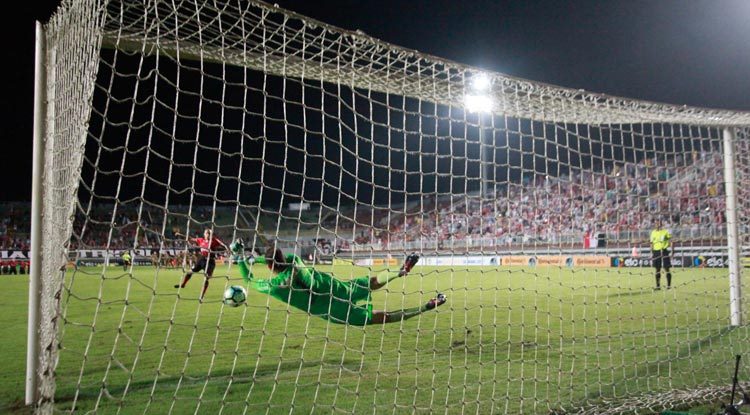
<point x="660" y="239"/>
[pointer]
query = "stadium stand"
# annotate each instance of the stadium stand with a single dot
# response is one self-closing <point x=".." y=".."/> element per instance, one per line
<point x="538" y="210"/>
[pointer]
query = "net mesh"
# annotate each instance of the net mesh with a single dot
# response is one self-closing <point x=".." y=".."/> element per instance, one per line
<point x="73" y="38"/>
<point x="168" y="118"/>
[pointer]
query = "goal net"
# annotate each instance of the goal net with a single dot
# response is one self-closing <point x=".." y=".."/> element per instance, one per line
<point x="531" y="207"/>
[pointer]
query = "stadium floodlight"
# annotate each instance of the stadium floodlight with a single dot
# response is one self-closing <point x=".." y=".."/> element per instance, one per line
<point x="481" y="83"/>
<point x="478" y="98"/>
<point x="479" y="103"/>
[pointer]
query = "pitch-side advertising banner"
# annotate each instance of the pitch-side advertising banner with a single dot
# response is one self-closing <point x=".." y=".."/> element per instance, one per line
<point x="375" y="262"/>
<point x="17" y="255"/>
<point x="686" y="261"/>
<point x="504" y="261"/>
<point x="584" y="261"/>
<point x="447" y="261"/>
<point x="452" y="261"/>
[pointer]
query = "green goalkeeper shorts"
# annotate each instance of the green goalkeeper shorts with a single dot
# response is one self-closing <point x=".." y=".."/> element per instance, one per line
<point x="343" y="306"/>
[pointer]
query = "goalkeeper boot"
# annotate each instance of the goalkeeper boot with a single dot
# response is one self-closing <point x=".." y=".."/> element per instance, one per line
<point x="409" y="263"/>
<point x="436" y="302"/>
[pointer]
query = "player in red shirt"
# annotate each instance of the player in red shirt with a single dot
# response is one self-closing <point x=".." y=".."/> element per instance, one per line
<point x="209" y="245"/>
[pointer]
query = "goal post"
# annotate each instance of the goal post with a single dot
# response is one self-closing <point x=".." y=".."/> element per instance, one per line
<point x="530" y="205"/>
<point x="733" y="247"/>
<point x="32" y="352"/>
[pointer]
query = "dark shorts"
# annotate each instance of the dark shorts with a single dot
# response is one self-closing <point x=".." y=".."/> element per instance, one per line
<point x="661" y="259"/>
<point x="205" y="263"/>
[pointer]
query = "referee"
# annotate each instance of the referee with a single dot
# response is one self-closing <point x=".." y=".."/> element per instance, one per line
<point x="660" y="238"/>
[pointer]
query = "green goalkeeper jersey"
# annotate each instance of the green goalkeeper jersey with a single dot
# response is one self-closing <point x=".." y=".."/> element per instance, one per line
<point x="315" y="292"/>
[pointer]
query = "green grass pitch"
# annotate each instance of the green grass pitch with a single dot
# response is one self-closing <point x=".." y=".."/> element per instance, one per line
<point x="509" y="340"/>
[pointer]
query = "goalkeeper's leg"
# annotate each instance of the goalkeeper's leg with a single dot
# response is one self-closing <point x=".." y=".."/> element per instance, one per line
<point x="384" y="277"/>
<point x="381" y="317"/>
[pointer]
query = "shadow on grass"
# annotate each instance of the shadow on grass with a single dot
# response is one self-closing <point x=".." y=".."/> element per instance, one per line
<point x="17" y="407"/>
<point x="688" y="349"/>
<point x="244" y="375"/>
<point x="631" y="293"/>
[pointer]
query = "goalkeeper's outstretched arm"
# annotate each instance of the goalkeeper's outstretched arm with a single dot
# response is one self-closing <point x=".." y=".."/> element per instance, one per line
<point x="259" y="285"/>
<point x="245" y="272"/>
<point x="264" y="285"/>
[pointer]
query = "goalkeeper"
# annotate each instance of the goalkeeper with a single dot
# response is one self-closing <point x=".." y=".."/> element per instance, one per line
<point x="322" y="295"/>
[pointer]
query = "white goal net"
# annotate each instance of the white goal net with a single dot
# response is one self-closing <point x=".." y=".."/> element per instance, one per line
<point x="530" y="206"/>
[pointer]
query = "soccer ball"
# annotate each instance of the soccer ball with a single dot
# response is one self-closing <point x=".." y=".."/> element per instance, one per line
<point x="235" y="296"/>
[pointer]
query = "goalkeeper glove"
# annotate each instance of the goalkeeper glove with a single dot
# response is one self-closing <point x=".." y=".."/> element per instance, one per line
<point x="237" y="246"/>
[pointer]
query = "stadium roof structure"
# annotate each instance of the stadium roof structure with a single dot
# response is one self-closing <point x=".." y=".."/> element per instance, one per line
<point x="266" y="38"/>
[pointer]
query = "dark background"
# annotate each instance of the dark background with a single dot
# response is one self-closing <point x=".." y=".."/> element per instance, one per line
<point x="693" y="53"/>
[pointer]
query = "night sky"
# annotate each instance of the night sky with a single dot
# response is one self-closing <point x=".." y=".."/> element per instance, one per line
<point x="694" y="52"/>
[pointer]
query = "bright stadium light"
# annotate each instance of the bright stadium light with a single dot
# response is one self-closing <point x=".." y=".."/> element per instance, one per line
<point x="478" y="96"/>
<point x="478" y="103"/>
<point x="480" y="83"/>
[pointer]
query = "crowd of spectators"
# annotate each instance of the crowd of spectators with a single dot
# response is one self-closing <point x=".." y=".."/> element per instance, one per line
<point x="132" y="227"/>
<point x="14" y="266"/>
<point x="15" y="226"/>
<point x="619" y="200"/>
